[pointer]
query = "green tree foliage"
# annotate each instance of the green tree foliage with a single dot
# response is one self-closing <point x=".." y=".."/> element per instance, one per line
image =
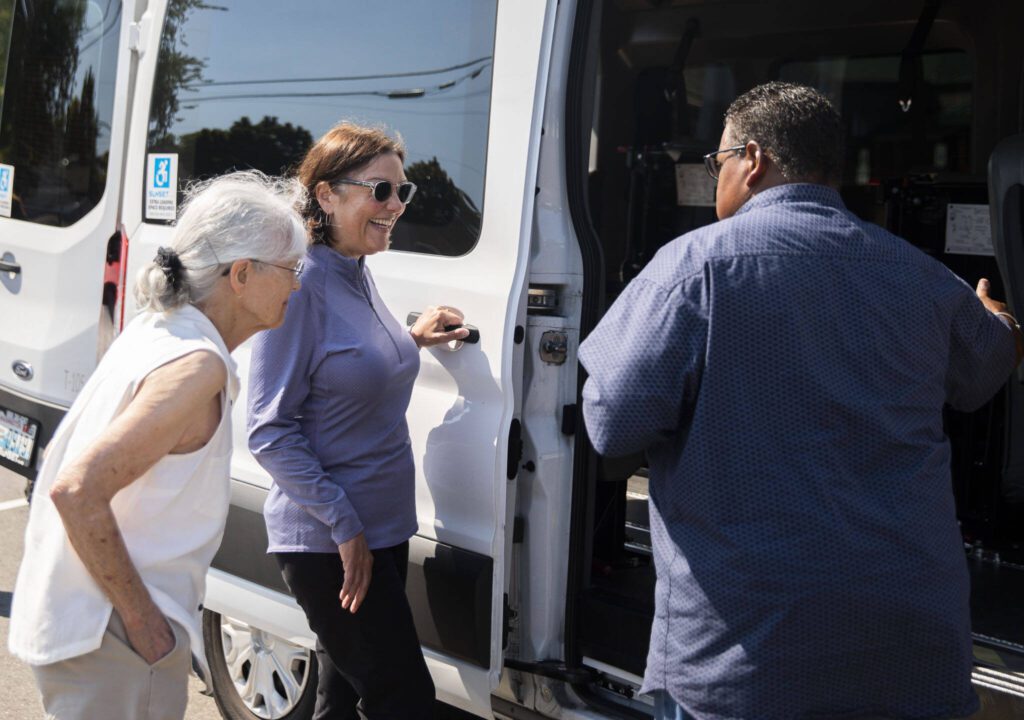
<point x="49" y="126"/>
<point x="268" y="145"/>
<point x="177" y="70"/>
<point x="446" y="219"/>
<point x="6" y="27"/>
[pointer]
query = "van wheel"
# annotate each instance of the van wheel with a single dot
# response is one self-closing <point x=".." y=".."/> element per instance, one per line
<point x="256" y="674"/>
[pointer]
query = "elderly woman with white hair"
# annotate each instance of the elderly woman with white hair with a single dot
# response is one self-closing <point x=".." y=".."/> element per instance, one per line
<point x="130" y="504"/>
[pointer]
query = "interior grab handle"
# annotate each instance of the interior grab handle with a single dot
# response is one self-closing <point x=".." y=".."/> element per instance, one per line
<point x="474" y="333"/>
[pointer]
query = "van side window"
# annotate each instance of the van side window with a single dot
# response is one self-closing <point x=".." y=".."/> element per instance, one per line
<point x="252" y="83"/>
<point x="58" y="59"/>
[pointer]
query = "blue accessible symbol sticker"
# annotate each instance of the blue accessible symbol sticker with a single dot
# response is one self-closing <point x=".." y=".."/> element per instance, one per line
<point x="161" y="186"/>
<point x="161" y="172"/>
<point x="6" y="189"/>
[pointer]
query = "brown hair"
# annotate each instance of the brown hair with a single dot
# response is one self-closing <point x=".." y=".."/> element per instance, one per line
<point x="342" y="149"/>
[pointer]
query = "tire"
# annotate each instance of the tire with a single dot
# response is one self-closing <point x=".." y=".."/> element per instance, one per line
<point x="247" y="682"/>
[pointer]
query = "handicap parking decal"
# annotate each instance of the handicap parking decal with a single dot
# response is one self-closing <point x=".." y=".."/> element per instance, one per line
<point x="161" y="186"/>
<point x="6" y="189"/>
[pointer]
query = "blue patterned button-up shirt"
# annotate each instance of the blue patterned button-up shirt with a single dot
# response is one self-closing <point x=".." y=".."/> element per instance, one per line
<point x="786" y="370"/>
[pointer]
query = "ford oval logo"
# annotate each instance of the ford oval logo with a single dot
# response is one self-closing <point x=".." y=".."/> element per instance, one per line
<point x="22" y="369"/>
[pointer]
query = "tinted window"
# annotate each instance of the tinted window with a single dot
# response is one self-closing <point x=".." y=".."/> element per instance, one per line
<point x="933" y="135"/>
<point x="56" y="102"/>
<point x="252" y="83"/>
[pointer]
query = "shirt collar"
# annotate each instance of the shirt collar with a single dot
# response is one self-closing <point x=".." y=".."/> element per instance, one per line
<point x="792" y="193"/>
<point x="350" y="268"/>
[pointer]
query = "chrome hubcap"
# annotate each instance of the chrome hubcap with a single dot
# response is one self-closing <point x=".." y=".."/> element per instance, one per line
<point x="269" y="674"/>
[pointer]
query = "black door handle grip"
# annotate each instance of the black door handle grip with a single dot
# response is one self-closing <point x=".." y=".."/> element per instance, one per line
<point x="474" y="333"/>
<point x="11" y="267"/>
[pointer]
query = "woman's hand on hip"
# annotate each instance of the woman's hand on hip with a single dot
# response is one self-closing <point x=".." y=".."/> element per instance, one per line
<point x="357" y="562"/>
<point x="429" y="329"/>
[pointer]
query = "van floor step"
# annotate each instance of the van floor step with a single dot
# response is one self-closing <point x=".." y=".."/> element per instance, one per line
<point x="997" y="601"/>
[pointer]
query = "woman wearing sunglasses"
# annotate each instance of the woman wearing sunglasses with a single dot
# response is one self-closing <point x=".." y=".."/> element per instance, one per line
<point x="328" y="392"/>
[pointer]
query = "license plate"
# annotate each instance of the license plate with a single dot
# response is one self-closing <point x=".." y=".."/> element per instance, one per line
<point x="17" y="437"/>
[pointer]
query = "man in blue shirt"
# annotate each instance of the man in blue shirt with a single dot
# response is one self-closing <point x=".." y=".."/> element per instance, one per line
<point x="785" y="370"/>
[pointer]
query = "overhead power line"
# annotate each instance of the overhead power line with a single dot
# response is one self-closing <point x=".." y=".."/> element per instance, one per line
<point x="340" y="78"/>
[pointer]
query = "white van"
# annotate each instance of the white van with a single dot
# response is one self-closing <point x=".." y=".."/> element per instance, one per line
<point x="556" y="146"/>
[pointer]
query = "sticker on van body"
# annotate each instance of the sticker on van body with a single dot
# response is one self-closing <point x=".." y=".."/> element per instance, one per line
<point x="968" y="229"/>
<point x="161" y="186"/>
<point x="6" y="189"/>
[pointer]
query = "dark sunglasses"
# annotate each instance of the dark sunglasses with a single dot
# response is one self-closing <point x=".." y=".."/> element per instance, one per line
<point x="382" y="189"/>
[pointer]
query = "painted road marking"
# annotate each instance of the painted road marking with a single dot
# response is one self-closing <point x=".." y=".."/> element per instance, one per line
<point x="11" y="504"/>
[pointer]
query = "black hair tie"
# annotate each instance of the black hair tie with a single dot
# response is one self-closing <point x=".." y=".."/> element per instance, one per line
<point x="168" y="261"/>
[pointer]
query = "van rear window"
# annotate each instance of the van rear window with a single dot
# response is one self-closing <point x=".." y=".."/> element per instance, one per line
<point x="58" y="60"/>
<point x="252" y="83"/>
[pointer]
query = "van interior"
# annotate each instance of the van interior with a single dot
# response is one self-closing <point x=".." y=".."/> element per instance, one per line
<point x="926" y="89"/>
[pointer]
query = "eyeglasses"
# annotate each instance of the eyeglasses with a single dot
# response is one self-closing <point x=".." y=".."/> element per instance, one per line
<point x="382" y="189"/>
<point x="711" y="163"/>
<point x="295" y="269"/>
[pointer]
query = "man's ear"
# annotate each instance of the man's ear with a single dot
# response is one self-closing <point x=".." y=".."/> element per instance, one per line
<point x="757" y="164"/>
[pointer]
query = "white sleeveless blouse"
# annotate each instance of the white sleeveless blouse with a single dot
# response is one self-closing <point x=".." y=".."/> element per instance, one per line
<point x="172" y="518"/>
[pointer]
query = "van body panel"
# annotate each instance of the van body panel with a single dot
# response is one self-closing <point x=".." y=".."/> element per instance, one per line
<point x="52" y="308"/>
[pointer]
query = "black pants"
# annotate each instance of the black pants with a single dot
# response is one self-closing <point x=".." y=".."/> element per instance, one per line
<point x="373" y="655"/>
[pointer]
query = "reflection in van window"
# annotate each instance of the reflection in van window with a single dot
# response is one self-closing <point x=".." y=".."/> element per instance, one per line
<point x="6" y="28"/>
<point x="252" y="83"/>
<point x="56" y="104"/>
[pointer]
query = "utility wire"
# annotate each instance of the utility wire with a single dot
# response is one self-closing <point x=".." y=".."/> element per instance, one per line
<point x="391" y="94"/>
<point x="416" y="73"/>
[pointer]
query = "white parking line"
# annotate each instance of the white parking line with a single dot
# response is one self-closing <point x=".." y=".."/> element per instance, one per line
<point x="11" y="504"/>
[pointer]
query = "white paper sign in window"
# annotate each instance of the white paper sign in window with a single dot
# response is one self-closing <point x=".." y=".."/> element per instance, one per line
<point x="161" y="186"/>
<point x="694" y="187"/>
<point x="968" y="229"/>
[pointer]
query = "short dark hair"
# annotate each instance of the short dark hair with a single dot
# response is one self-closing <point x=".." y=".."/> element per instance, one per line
<point x="796" y="126"/>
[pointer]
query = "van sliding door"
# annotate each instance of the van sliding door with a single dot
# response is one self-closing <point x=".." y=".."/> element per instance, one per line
<point x="464" y="412"/>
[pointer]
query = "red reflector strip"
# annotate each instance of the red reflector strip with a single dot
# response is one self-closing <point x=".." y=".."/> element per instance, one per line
<point x="122" y="282"/>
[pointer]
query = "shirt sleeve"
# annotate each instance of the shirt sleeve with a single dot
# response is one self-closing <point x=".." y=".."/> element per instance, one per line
<point x="983" y="353"/>
<point x="279" y="383"/>
<point x="645" y="359"/>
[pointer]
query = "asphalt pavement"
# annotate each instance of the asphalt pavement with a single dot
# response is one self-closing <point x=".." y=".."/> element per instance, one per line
<point x="18" y="697"/>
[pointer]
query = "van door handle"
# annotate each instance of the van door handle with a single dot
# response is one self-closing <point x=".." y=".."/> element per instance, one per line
<point x="10" y="267"/>
<point x="474" y="333"/>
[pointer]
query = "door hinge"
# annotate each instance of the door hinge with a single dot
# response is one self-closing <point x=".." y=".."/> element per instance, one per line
<point x="508" y="618"/>
<point x="518" y="529"/>
<point x="569" y="419"/>
<point x="138" y="32"/>
<point x="515" y="448"/>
